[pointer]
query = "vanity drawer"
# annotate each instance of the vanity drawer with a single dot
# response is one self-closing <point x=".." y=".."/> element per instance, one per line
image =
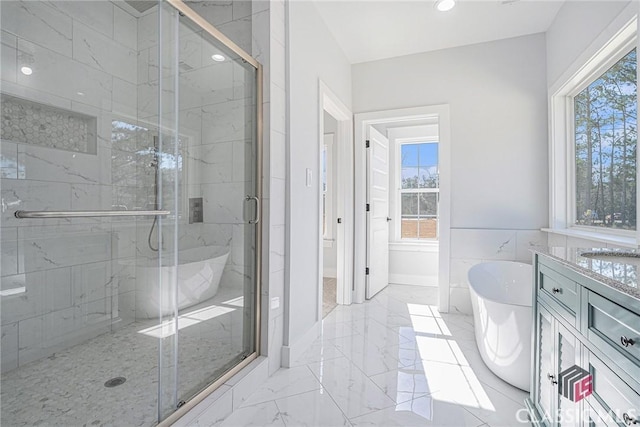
<point x="611" y="394"/>
<point x="560" y="292"/>
<point x="615" y="331"/>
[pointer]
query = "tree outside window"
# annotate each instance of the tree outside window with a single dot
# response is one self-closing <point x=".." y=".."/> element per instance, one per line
<point x="605" y="114"/>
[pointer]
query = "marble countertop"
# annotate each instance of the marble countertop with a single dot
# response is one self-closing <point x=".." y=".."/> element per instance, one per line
<point x="619" y="273"/>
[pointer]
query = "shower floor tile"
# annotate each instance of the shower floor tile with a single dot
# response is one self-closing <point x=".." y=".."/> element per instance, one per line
<point x="68" y="388"/>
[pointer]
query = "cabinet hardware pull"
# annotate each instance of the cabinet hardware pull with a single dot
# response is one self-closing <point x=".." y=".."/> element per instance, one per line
<point x="626" y="342"/>
<point x="556" y="290"/>
<point x="552" y="379"/>
<point x="629" y="420"/>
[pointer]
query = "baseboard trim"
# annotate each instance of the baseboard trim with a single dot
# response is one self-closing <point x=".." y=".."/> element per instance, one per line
<point x="410" y="279"/>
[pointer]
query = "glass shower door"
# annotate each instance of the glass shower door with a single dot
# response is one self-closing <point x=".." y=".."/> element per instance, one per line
<point x="217" y="282"/>
<point x="82" y="148"/>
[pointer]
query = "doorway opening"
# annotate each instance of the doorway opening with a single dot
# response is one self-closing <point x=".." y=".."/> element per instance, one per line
<point x="335" y="228"/>
<point x="328" y="182"/>
<point x="403" y="182"/>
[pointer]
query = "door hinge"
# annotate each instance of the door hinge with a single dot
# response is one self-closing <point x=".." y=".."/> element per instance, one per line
<point x="366" y="271"/>
<point x="368" y="207"/>
<point x="367" y="143"/>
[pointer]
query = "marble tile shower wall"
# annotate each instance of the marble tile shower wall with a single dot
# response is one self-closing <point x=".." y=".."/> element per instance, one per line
<point x="79" y="276"/>
<point x="70" y="279"/>
<point x="215" y="122"/>
<point x="473" y="246"/>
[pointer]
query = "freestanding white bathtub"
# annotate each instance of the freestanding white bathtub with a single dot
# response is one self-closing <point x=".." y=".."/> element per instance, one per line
<point x="501" y="293"/>
<point x="199" y="271"/>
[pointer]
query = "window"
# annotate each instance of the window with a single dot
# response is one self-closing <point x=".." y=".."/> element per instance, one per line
<point x="419" y="190"/>
<point x="593" y="124"/>
<point x="605" y="132"/>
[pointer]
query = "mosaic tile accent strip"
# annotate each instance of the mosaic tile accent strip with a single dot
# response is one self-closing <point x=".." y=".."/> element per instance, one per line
<point x="38" y="124"/>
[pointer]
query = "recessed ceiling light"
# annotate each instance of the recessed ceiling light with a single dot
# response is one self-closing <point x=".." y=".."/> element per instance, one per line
<point x="445" y="5"/>
<point x="217" y="57"/>
<point x="80" y="93"/>
<point x="27" y="71"/>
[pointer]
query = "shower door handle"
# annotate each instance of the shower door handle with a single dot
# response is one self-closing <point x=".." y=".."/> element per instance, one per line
<point x="86" y="214"/>
<point x="257" y="218"/>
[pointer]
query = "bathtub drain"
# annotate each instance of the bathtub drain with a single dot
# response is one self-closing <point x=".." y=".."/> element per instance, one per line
<point x="114" y="382"/>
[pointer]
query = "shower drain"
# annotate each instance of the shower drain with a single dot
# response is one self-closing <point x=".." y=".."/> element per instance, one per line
<point x="115" y="382"/>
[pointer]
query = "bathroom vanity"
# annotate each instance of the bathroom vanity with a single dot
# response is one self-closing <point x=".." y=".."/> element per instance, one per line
<point x="586" y="323"/>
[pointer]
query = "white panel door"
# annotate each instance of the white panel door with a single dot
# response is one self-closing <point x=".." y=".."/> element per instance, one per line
<point x="378" y="200"/>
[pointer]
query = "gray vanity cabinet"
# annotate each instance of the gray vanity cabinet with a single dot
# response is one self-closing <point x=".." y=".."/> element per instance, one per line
<point x="582" y="322"/>
<point x="557" y="350"/>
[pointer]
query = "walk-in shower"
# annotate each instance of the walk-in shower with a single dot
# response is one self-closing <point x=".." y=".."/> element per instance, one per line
<point x="130" y="168"/>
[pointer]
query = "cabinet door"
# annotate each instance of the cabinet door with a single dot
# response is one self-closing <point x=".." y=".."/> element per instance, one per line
<point x="567" y="356"/>
<point x="544" y="390"/>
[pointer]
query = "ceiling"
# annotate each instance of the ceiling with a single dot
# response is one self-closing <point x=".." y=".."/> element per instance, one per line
<point x="369" y="30"/>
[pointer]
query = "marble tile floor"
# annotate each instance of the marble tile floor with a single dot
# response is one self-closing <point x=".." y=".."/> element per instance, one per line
<point x="67" y="388"/>
<point x="392" y="361"/>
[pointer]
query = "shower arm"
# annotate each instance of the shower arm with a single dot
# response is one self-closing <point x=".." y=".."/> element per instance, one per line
<point x="86" y="214"/>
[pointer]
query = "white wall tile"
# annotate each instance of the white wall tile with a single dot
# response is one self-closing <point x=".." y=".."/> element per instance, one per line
<point x="224" y="122"/>
<point x="215" y="12"/>
<point x="49" y="164"/>
<point x="460" y="301"/>
<point x="98" y="15"/>
<point x="91" y="282"/>
<point x="277" y="196"/>
<point x="225" y="202"/>
<point x="278" y="155"/>
<point x="45" y="292"/>
<point x="148" y="31"/>
<point x="38" y="22"/>
<point x="8" y="50"/>
<point x="9" y="250"/>
<point x="9" y="346"/>
<point x="125" y="28"/>
<point x="483" y="244"/>
<point x="8" y="160"/>
<point x="33" y="195"/>
<point x="276" y="248"/>
<point x="459" y="270"/>
<point x="62" y="76"/>
<point x="82" y="245"/>
<point x="527" y="240"/>
<point x="276" y="336"/>
<point x="124" y="100"/>
<point x="104" y="54"/>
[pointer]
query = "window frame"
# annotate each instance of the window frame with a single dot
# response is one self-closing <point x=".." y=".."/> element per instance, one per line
<point x="562" y="153"/>
<point x="398" y="191"/>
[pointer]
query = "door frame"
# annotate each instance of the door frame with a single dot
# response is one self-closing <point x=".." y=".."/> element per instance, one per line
<point x="362" y="123"/>
<point x="343" y="147"/>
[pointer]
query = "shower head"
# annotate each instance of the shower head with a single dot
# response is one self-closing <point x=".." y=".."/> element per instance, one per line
<point x="141" y="5"/>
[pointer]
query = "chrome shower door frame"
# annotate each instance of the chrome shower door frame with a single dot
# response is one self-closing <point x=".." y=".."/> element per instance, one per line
<point x="186" y="11"/>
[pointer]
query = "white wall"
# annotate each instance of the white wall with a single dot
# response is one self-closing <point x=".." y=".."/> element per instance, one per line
<point x="314" y="55"/>
<point x="497" y="97"/>
<point x="576" y="26"/>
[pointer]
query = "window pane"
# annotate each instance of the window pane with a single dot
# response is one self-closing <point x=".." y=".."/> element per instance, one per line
<point x="410" y="177"/>
<point x="428" y="177"/>
<point x="428" y="154"/>
<point x="409" y="155"/>
<point x="605" y="147"/>
<point x="428" y="223"/>
<point x="409" y="221"/>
